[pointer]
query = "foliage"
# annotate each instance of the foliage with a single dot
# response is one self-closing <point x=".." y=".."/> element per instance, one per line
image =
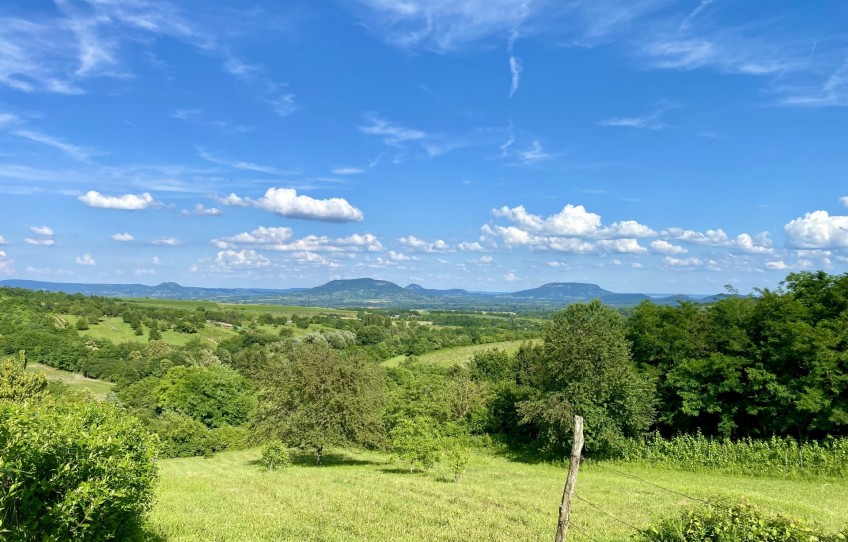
<point x="777" y="456"/>
<point x="457" y="457"/>
<point x="731" y="522"/>
<point x="775" y="364"/>
<point x="275" y="455"/>
<point x="18" y="385"/>
<point x="73" y="472"/>
<point x="318" y="396"/>
<point x="585" y="369"/>
<point x="417" y="442"/>
<point x="214" y="395"/>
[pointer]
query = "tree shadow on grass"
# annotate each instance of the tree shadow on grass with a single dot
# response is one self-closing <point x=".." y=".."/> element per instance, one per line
<point x="145" y="534"/>
<point x="331" y="459"/>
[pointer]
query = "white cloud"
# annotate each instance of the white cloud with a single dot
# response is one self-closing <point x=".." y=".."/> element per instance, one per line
<point x="573" y="221"/>
<point x="200" y="210"/>
<point x="122" y="237"/>
<point x="259" y="236"/>
<point x="168" y="242"/>
<point x="85" y="259"/>
<point x="844" y="201"/>
<point x="42" y="230"/>
<point x="511" y="277"/>
<point x="39" y="242"/>
<point x="664" y="247"/>
<point x="144" y="272"/>
<point x="484" y="260"/>
<point x="127" y="202"/>
<point x="398" y="256"/>
<point x="280" y="239"/>
<point x="671" y="261"/>
<point x="817" y="230"/>
<point x="445" y="25"/>
<point x="536" y="154"/>
<point x="6" y="264"/>
<point x="777" y="265"/>
<point x="391" y="133"/>
<point x="515" y="72"/>
<point x="241" y="164"/>
<point x="348" y="171"/>
<point x="758" y="244"/>
<point x="3" y="240"/>
<point x="286" y="202"/>
<point x="74" y="151"/>
<point x="469" y="247"/>
<point x="648" y="121"/>
<point x="241" y="259"/>
<point x="421" y="245"/>
<point x="283" y="105"/>
<point x="622" y="246"/>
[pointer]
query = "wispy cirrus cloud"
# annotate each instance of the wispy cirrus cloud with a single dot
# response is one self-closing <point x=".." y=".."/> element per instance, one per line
<point x="241" y="164"/>
<point x="647" y="121"/>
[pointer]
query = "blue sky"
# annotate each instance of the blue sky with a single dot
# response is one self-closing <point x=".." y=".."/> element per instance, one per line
<point x="643" y="145"/>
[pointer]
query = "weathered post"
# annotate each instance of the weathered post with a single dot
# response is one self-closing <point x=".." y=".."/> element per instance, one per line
<point x="573" y="467"/>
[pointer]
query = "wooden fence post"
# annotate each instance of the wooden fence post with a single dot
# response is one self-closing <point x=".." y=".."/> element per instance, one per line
<point x="570" y="481"/>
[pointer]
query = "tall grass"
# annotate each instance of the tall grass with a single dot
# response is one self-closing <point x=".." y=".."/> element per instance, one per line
<point x="777" y="457"/>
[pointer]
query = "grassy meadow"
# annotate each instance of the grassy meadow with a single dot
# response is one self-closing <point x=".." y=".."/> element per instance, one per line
<point x="455" y="356"/>
<point x="362" y="496"/>
<point x="98" y="388"/>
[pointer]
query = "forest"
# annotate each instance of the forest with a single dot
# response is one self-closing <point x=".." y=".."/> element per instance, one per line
<point x="653" y="382"/>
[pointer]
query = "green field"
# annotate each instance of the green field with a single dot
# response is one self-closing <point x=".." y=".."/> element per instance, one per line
<point x="115" y="330"/>
<point x="98" y="388"/>
<point x="455" y="356"/>
<point x="276" y="310"/>
<point x="359" y="496"/>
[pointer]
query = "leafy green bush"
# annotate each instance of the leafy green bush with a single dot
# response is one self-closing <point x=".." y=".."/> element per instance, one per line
<point x="18" y="385"/>
<point x="275" y="455"/>
<point x="214" y="395"/>
<point x="73" y="472"/>
<point x="457" y="457"/>
<point x="733" y="522"/>
<point x="416" y="441"/>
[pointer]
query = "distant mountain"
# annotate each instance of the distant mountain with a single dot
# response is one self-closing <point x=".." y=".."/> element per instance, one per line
<point x="366" y="292"/>
<point x="575" y="292"/>
<point x="166" y="290"/>
<point x="420" y="289"/>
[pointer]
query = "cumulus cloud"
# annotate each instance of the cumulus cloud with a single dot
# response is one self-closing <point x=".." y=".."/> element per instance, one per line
<point x="844" y="201"/>
<point x="511" y="277"/>
<point x="286" y="202"/>
<point x="122" y="237"/>
<point x="200" y="210"/>
<point x="779" y="265"/>
<point x="573" y="221"/>
<point x="168" y="242"/>
<point x="280" y="239"/>
<point x="398" y="256"/>
<point x="817" y="230"/>
<point x="43" y="242"/>
<point x="85" y="259"/>
<point x="664" y="247"/>
<point x="2" y="240"/>
<point x="127" y="202"/>
<point x="671" y="261"/>
<point x="42" y="230"/>
<point x="622" y="246"/>
<point x="758" y="244"/>
<point x="469" y="247"/>
<point x="421" y="245"/>
<point x="6" y="264"/>
<point x="249" y="259"/>
<point x="484" y="260"/>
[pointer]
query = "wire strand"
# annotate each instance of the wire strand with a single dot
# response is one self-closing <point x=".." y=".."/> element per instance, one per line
<point x="634" y="477"/>
<point x="582" y="533"/>
<point x="596" y="507"/>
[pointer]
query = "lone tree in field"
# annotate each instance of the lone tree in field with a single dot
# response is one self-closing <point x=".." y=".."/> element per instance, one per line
<point x="585" y="369"/>
<point x="318" y="397"/>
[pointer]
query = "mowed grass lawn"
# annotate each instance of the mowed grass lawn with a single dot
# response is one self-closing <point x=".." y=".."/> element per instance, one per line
<point x="98" y="388"/>
<point x="359" y="496"/>
<point x="455" y="356"/>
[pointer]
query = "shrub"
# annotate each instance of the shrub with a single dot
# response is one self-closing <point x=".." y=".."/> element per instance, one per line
<point x="275" y="455"/>
<point x="18" y="385"/>
<point x="417" y="442"/>
<point x="73" y="472"/>
<point x="457" y="457"/>
<point x="732" y="522"/>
